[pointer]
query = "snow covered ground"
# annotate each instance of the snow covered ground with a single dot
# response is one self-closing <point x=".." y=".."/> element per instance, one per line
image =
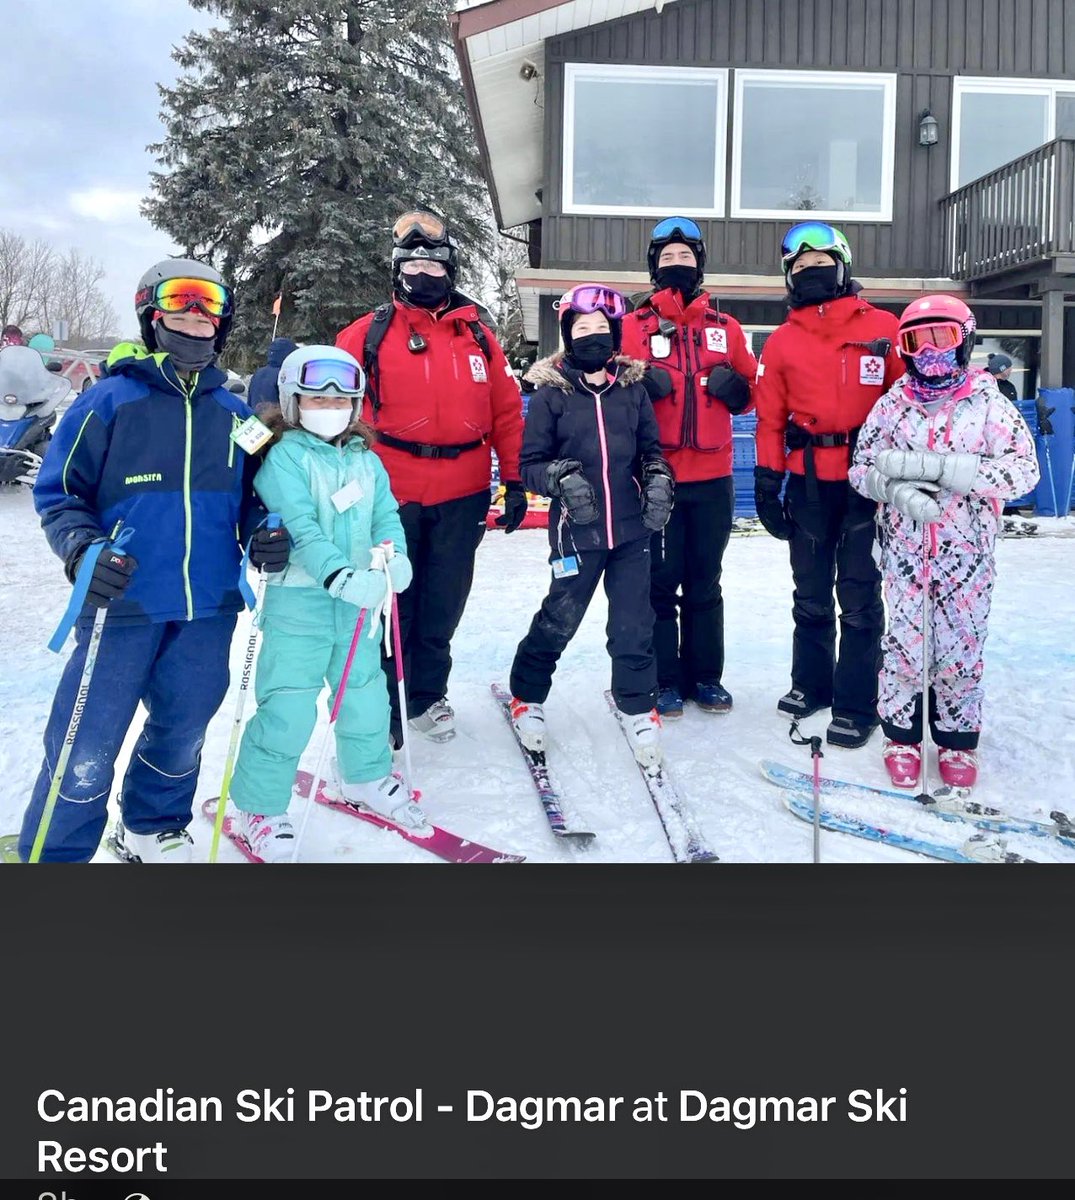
<point x="477" y="785"/>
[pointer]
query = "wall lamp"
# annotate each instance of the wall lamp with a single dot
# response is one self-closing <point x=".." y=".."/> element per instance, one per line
<point x="927" y="129"/>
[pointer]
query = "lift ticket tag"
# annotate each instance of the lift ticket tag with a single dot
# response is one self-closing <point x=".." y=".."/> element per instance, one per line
<point x="251" y="435"/>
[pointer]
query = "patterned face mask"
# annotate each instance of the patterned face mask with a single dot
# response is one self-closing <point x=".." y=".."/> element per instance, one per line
<point x="932" y="363"/>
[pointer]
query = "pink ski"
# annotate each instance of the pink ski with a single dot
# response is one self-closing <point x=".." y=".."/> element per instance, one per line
<point x="229" y="830"/>
<point x="449" y="846"/>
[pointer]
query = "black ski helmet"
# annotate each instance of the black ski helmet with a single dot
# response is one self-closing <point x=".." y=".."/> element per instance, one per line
<point x="177" y="268"/>
<point x="675" y="229"/>
<point x="423" y="233"/>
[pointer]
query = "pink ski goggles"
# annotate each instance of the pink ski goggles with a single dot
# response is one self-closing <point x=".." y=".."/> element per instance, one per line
<point x="591" y="298"/>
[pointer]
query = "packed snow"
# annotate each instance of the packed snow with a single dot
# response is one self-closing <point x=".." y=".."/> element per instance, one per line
<point x="477" y="785"/>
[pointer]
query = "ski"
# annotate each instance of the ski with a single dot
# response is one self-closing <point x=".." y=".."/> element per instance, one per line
<point x="229" y="830"/>
<point x="9" y="852"/>
<point x="684" y="839"/>
<point x="548" y="793"/>
<point x="949" y="806"/>
<point x="976" y="849"/>
<point x="448" y="846"/>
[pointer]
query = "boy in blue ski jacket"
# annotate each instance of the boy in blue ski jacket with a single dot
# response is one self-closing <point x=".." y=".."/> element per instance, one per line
<point x="333" y="494"/>
<point x="149" y="449"/>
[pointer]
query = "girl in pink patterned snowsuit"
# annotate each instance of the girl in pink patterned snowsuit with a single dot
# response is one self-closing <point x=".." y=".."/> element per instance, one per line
<point x="941" y="448"/>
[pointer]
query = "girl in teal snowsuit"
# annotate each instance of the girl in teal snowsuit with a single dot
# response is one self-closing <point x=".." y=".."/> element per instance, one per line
<point x="332" y="494"/>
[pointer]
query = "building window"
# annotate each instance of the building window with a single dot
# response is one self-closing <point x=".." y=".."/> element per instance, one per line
<point x="813" y="141"/>
<point x="644" y="140"/>
<point x="998" y="120"/>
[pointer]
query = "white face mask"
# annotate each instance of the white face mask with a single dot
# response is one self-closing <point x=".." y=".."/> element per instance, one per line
<point x="326" y="423"/>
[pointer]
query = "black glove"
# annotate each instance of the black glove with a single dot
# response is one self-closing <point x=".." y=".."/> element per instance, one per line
<point x="729" y="387"/>
<point x="767" y="485"/>
<point x="270" y="549"/>
<point x="515" y="505"/>
<point x="567" y="483"/>
<point x="111" y="574"/>
<point x="1045" y="426"/>
<point x="658" y="492"/>
<point x="657" y="382"/>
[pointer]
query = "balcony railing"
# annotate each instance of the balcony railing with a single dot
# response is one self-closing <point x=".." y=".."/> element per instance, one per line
<point x="1019" y="216"/>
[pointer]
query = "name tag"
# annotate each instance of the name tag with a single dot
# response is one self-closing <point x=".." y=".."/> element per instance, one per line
<point x="659" y="345"/>
<point x="872" y="369"/>
<point x="347" y="497"/>
<point x="251" y="435"/>
<point x="564" y="568"/>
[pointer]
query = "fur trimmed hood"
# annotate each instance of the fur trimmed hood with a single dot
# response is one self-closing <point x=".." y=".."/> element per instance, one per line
<point x="546" y="372"/>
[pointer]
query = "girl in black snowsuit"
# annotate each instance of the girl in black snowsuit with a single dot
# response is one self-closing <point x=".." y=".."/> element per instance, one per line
<point x="591" y="444"/>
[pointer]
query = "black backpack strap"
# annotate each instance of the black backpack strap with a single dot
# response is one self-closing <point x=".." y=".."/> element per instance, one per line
<point x="477" y="329"/>
<point x="382" y="318"/>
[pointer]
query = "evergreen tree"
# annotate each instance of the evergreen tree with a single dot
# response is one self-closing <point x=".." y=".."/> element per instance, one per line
<point x="297" y="132"/>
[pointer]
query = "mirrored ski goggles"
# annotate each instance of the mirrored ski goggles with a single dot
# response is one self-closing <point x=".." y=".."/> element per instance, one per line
<point x="591" y="299"/>
<point x="941" y="336"/>
<point x="808" y="235"/>
<point x="320" y="373"/>
<point x="421" y="226"/>
<point x="179" y="295"/>
<point x="670" y="226"/>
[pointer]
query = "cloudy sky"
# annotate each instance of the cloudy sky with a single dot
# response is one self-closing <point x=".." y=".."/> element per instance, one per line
<point x="81" y="106"/>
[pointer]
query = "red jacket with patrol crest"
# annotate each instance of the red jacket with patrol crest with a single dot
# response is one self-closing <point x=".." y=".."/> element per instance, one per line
<point x="447" y="394"/>
<point x="695" y="428"/>
<point x="822" y="369"/>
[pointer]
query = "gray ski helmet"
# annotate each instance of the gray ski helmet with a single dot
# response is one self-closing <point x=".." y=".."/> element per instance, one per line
<point x="319" y="371"/>
<point x="177" y="268"/>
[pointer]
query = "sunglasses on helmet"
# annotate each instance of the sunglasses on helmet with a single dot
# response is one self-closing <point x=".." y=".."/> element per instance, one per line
<point x="591" y="299"/>
<point x="318" y="374"/>
<point x="670" y="226"/>
<point x="941" y="336"/>
<point x="808" y="235"/>
<point x="419" y="227"/>
<point x="181" y="295"/>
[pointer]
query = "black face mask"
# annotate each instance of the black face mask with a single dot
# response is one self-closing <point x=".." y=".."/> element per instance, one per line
<point x="813" y="285"/>
<point x="186" y="352"/>
<point x="427" y="291"/>
<point x="590" y="353"/>
<point x="683" y="279"/>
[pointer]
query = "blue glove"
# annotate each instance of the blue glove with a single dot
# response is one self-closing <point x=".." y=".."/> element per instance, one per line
<point x="363" y="589"/>
<point x="400" y="572"/>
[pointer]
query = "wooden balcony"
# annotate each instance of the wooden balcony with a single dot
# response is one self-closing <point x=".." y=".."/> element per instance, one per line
<point x="1013" y="231"/>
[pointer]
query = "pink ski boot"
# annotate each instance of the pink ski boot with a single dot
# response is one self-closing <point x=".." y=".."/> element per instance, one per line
<point x="903" y="763"/>
<point x="958" y="768"/>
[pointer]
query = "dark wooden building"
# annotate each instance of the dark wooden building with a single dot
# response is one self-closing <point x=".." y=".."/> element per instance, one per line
<point x="939" y="135"/>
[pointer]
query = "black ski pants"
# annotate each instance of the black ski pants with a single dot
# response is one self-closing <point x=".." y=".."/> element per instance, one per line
<point x="685" y="590"/>
<point x="442" y="541"/>
<point x="626" y="573"/>
<point x="832" y="544"/>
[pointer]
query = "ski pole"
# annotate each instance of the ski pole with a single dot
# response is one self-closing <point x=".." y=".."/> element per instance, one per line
<point x="394" y="648"/>
<point x="316" y="782"/>
<point x="78" y="597"/>
<point x="273" y="522"/>
<point x="816" y="754"/>
<point x="924" y="796"/>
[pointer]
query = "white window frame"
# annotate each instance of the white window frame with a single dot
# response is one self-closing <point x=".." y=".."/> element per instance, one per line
<point x="590" y="71"/>
<point x="1010" y="86"/>
<point x="820" y="79"/>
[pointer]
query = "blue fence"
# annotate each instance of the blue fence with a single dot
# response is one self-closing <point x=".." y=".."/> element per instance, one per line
<point x="743" y="459"/>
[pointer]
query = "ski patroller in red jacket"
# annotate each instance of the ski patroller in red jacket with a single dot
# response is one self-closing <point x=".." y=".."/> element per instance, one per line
<point x="445" y="395"/>
<point x="695" y="428"/>
<point x="822" y="369"/>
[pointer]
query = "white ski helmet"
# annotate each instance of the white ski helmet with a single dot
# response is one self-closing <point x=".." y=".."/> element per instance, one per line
<point x="319" y="371"/>
<point x="26" y="383"/>
<point x="178" y="269"/>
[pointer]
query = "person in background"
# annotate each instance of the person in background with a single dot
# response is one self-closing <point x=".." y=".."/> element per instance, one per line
<point x="261" y="391"/>
<point x="820" y="374"/>
<point x="440" y="396"/>
<point x="12" y="336"/>
<point x="1000" y="367"/>
<point x="700" y="372"/>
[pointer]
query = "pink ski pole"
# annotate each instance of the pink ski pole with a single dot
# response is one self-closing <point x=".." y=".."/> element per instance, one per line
<point x="316" y="783"/>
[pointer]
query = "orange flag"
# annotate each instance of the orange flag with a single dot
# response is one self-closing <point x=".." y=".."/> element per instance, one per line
<point x="276" y="305"/>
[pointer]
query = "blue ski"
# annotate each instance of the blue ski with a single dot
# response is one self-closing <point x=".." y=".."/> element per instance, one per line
<point x="947" y="807"/>
<point x="977" y="849"/>
<point x="684" y="839"/>
<point x="551" y="802"/>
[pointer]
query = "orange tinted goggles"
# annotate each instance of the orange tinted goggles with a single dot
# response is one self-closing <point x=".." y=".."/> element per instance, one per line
<point x="942" y="336"/>
<point x="422" y="225"/>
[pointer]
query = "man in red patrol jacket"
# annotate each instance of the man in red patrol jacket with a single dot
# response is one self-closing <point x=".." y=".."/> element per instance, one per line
<point x="700" y="374"/>
<point x="440" y="396"/>
<point x="820" y="374"/>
